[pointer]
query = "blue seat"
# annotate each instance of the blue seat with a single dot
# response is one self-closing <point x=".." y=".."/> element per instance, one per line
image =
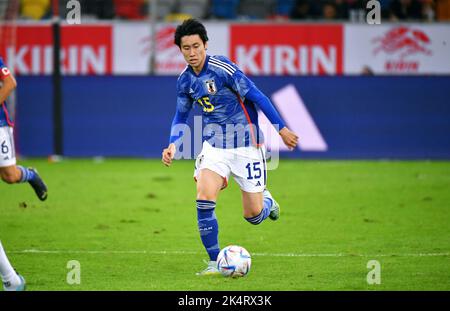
<point x="284" y="7"/>
<point x="226" y="9"/>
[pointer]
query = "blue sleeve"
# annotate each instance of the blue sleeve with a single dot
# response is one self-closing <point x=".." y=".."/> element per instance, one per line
<point x="264" y="103"/>
<point x="179" y="118"/>
<point x="184" y="106"/>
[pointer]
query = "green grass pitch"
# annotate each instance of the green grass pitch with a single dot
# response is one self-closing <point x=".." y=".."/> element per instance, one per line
<point x="131" y="224"/>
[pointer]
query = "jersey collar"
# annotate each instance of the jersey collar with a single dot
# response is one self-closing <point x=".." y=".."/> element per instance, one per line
<point x="204" y="69"/>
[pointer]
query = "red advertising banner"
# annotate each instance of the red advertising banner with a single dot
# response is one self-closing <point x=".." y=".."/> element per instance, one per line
<point x="84" y="50"/>
<point x="268" y="49"/>
<point x="258" y="49"/>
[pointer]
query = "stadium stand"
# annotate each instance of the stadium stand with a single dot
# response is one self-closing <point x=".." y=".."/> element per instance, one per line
<point x="175" y="10"/>
<point x="256" y="9"/>
<point x="443" y="10"/>
<point x="165" y="8"/>
<point x="284" y="7"/>
<point x="130" y="9"/>
<point x="34" y="9"/>
<point x="224" y="9"/>
<point x="3" y="7"/>
<point x="195" y="8"/>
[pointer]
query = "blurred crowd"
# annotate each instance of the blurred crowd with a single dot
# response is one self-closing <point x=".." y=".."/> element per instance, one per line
<point x="298" y="10"/>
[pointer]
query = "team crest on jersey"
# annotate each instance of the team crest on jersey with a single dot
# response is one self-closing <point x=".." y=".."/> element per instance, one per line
<point x="5" y="71"/>
<point x="211" y="87"/>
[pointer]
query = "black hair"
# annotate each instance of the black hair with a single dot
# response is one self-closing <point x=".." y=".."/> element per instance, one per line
<point x="190" y="27"/>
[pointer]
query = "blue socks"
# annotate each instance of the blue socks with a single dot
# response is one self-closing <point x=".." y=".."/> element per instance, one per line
<point x="256" y="220"/>
<point x="27" y="174"/>
<point x="208" y="227"/>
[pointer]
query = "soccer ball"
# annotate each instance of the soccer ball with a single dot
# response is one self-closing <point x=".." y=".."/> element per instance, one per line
<point x="234" y="261"/>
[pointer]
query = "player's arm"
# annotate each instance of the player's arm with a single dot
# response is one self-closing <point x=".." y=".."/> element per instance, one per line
<point x="255" y="95"/>
<point x="9" y="84"/>
<point x="169" y="152"/>
<point x="184" y="105"/>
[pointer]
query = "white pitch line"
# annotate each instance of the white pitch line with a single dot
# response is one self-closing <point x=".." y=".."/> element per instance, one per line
<point x="354" y="255"/>
<point x="106" y="252"/>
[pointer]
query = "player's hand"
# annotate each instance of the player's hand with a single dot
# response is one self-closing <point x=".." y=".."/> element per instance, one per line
<point x="168" y="154"/>
<point x="290" y="139"/>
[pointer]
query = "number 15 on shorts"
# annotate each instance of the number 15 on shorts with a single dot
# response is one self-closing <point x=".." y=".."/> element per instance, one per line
<point x="253" y="170"/>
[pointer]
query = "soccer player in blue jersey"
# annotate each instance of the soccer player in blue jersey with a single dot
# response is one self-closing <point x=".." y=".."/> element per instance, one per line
<point x="12" y="173"/>
<point x="232" y="141"/>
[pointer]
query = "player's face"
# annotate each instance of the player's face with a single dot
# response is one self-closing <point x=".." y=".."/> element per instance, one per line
<point x="194" y="51"/>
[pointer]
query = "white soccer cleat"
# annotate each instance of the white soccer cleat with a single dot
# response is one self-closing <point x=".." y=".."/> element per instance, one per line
<point x="211" y="269"/>
<point x="7" y="287"/>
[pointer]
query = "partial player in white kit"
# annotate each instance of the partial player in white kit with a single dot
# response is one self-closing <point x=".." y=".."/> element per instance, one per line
<point x="232" y="140"/>
<point x="11" y="173"/>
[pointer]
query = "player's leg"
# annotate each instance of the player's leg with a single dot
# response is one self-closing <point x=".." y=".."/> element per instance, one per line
<point x="19" y="174"/>
<point x="256" y="207"/>
<point x="11" y="280"/>
<point x="211" y="174"/>
<point x="10" y="173"/>
<point x="250" y="172"/>
<point x="209" y="184"/>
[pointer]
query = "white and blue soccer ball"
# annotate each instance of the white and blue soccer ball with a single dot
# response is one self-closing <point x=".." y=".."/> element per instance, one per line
<point x="234" y="261"/>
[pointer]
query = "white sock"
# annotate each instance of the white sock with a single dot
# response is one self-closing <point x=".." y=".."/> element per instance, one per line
<point x="7" y="272"/>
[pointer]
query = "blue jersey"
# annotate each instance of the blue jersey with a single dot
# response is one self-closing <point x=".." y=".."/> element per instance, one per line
<point x="5" y="119"/>
<point x="220" y="89"/>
